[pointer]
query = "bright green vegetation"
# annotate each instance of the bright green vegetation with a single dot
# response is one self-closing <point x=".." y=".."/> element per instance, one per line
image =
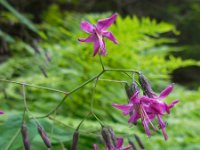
<point x="143" y="46"/>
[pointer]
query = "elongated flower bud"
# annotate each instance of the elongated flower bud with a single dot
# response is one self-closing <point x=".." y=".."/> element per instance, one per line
<point x="130" y="90"/>
<point x="146" y="86"/>
<point x="107" y="137"/>
<point x="112" y="134"/>
<point x="132" y="144"/>
<point x="24" y="132"/>
<point x="44" y="136"/>
<point x="139" y="141"/>
<point x="75" y="140"/>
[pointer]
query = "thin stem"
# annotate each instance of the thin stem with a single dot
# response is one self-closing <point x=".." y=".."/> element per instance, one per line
<point x="13" y="139"/>
<point x="101" y="62"/>
<point x="34" y="86"/>
<point x="24" y="98"/>
<point x="123" y="70"/>
<point x="26" y="109"/>
<point x="92" y="102"/>
<point x="65" y="125"/>
<point x="71" y="92"/>
<point x="82" y="121"/>
<point x="116" y="81"/>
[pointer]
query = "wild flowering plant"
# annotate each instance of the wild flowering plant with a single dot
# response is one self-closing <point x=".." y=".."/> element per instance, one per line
<point x="144" y="107"/>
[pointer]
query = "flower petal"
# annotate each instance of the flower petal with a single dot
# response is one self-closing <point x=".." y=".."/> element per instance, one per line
<point x="124" y="107"/>
<point x="146" y="128"/>
<point x="102" y="47"/>
<point x="162" y="125"/>
<point x="96" y="47"/>
<point x="159" y="107"/>
<point x="87" y="27"/>
<point x="134" y="117"/>
<point x="107" y="22"/>
<point x="110" y="36"/>
<point x="173" y="103"/>
<point x="1" y="112"/>
<point x="119" y="142"/>
<point x="95" y="147"/>
<point x="166" y="91"/>
<point x="91" y="38"/>
<point x="134" y="99"/>
<point x="127" y="147"/>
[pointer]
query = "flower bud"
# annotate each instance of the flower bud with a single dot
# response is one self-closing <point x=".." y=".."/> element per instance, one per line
<point x="146" y="86"/>
<point x="130" y="90"/>
<point x="132" y="144"/>
<point x="107" y="137"/>
<point x="24" y="132"/>
<point x="75" y="140"/>
<point x="139" y="141"/>
<point x="112" y="134"/>
<point x="44" y="136"/>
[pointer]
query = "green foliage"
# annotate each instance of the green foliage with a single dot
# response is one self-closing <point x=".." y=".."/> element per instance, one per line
<point x="22" y="18"/>
<point x="142" y="47"/>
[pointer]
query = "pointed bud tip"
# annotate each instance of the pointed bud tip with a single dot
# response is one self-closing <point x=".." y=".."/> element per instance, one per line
<point x="44" y="136"/>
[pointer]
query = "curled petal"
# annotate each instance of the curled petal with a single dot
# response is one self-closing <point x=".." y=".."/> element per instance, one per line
<point x="95" y="147"/>
<point x="119" y="142"/>
<point x="110" y="36"/>
<point x="96" y="47"/>
<point x="87" y="27"/>
<point x="166" y="91"/>
<point x="125" y="108"/>
<point x="102" y="47"/>
<point x="134" y="117"/>
<point x="91" y="38"/>
<point x="107" y="22"/>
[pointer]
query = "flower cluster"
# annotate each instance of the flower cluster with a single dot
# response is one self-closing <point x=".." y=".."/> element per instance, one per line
<point x="147" y="107"/>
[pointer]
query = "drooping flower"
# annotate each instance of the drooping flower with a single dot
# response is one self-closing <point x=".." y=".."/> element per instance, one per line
<point x="146" y="109"/>
<point x="98" y="32"/>
<point x="119" y="144"/>
<point x="112" y="143"/>
<point x="1" y="112"/>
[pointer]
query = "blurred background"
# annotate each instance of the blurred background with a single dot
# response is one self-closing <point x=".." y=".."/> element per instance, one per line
<point x="38" y="45"/>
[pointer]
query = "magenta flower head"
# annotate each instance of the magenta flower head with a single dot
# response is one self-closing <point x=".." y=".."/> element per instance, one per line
<point x="147" y="109"/>
<point x="98" y="32"/>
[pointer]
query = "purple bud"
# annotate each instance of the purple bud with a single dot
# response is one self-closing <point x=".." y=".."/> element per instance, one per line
<point x="75" y="140"/>
<point x="112" y="134"/>
<point x="132" y="144"/>
<point x="146" y="86"/>
<point x="139" y="141"/>
<point x="107" y="137"/>
<point x="44" y="136"/>
<point x="25" y="138"/>
<point x="130" y="90"/>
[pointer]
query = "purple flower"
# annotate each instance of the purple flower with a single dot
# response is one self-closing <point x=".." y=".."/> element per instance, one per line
<point x="119" y="144"/>
<point x="98" y="32"/>
<point x="146" y="109"/>
<point x="1" y="112"/>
